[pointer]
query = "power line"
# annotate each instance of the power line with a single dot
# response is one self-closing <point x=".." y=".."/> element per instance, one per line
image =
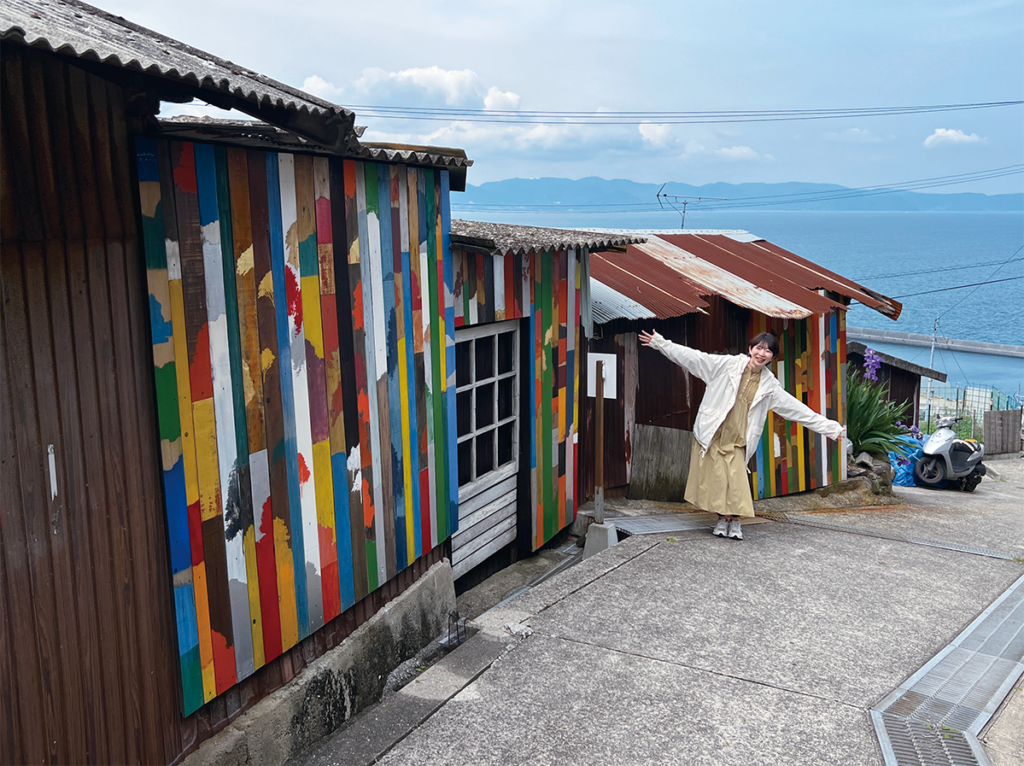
<point x="959" y="287"/>
<point x="989" y="277"/>
<point x="529" y="117"/>
<point x="760" y="201"/>
<point x="936" y="270"/>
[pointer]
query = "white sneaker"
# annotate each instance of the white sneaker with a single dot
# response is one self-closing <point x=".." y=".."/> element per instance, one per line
<point x="722" y="527"/>
<point x="735" y="529"/>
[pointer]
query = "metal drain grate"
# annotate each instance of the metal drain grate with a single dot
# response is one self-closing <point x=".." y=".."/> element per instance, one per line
<point x="935" y="717"/>
<point x="806" y="522"/>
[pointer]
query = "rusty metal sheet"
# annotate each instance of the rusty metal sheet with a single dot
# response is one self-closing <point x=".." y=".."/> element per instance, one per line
<point x="718" y="281"/>
<point x="648" y="281"/>
<point x="768" y="273"/>
<point x="813" y="276"/>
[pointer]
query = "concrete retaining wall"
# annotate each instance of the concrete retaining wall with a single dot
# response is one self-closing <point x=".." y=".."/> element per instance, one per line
<point x="337" y="686"/>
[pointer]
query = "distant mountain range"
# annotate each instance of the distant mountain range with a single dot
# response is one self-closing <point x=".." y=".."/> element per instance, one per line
<point x="620" y="194"/>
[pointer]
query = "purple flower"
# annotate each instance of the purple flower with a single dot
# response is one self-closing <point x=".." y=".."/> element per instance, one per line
<point x="872" y="361"/>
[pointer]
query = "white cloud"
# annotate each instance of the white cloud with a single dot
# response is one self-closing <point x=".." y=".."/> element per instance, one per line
<point x="693" y="149"/>
<point x="319" y="87"/>
<point x="737" y="153"/>
<point x="854" y="136"/>
<point x="945" y="136"/>
<point x="456" y="86"/>
<point x="656" y="135"/>
<point x="499" y="100"/>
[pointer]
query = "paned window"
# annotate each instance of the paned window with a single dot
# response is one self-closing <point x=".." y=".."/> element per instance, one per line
<point x="487" y="401"/>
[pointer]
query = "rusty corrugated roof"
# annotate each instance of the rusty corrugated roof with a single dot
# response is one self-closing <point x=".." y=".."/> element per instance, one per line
<point x="511" y="239"/>
<point x="73" y="28"/>
<point x="673" y="272"/>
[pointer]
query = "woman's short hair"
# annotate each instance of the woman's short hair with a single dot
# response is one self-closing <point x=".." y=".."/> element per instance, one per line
<point x="767" y="339"/>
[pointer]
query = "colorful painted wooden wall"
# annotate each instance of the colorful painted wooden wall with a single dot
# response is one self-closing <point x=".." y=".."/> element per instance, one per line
<point x="543" y="288"/>
<point x="812" y="367"/>
<point x="303" y="347"/>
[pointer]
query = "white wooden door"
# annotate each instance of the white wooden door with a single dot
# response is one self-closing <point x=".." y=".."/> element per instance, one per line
<point x="487" y="403"/>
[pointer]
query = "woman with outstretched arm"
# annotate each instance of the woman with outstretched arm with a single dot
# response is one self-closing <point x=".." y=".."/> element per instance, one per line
<point x="740" y="391"/>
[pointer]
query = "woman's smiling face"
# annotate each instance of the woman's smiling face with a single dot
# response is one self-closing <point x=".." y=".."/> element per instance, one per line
<point x="760" y="356"/>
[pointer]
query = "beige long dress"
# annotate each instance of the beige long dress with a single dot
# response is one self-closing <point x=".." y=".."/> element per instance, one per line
<point x="717" y="482"/>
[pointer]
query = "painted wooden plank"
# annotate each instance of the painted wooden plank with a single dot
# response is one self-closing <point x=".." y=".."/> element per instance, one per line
<point x="283" y="294"/>
<point x="224" y="408"/>
<point x="448" y="330"/>
<point x="511" y="287"/>
<point x="370" y="426"/>
<point x="417" y="259"/>
<point x="308" y="554"/>
<point x="498" y="268"/>
<point x="459" y="261"/>
<point x="245" y="515"/>
<point x="572" y="367"/>
<point x="548" y="327"/>
<point x="391" y="425"/>
<point x="211" y="524"/>
<point x="354" y="382"/>
<point x="185" y="410"/>
<point x="406" y="367"/>
<point x="581" y="274"/>
<point x="488" y="307"/>
<point x="319" y="526"/>
<point x="475" y="277"/>
<point x="539" y="314"/>
<point x="260" y="559"/>
<point x="275" y="519"/>
<point x="436" y="390"/>
<point x="169" y="419"/>
<point x="427" y="312"/>
<point x="430" y="346"/>
<point x="341" y="540"/>
<point x="376" y="366"/>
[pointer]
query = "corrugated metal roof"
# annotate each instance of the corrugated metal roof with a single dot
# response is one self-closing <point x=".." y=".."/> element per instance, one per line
<point x="262" y="134"/>
<point x="660" y="288"/>
<point x="674" y="271"/>
<point x="510" y="239"/>
<point x="607" y="304"/>
<point x="73" y="28"/>
<point x="741" y="258"/>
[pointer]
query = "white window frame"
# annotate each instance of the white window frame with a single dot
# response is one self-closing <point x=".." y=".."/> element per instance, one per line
<point x="493" y="329"/>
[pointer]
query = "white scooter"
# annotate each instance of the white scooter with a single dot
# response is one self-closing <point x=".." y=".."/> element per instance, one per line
<point x="947" y="458"/>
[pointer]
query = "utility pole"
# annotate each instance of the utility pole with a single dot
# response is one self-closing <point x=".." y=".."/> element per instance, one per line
<point x="931" y="363"/>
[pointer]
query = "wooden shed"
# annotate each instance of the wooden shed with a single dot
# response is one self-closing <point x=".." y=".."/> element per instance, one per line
<point x="227" y="385"/>
<point x="520" y="310"/>
<point x="713" y="291"/>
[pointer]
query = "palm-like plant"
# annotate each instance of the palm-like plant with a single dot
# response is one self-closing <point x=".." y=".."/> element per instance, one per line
<point x="872" y="423"/>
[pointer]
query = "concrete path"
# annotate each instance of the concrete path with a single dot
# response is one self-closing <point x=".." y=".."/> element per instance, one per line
<point x="709" y="651"/>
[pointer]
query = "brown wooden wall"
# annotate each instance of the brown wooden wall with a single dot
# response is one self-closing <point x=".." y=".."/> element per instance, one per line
<point x="88" y="658"/>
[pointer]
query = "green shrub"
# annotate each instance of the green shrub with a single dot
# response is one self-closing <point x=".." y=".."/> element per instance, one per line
<point x="872" y="423"/>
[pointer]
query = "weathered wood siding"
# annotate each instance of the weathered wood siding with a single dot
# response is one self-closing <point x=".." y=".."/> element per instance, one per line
<point x="542" y="289"/>
<point x="86" y="618"/>
<point x="1002" y="431"/>
<point x="287" y="383"/>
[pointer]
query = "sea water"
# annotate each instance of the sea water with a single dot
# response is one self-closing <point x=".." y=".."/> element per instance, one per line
<point x="900" y="255"/>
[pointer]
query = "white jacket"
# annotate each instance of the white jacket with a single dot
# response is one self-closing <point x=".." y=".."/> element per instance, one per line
<point x="722" y="375"/>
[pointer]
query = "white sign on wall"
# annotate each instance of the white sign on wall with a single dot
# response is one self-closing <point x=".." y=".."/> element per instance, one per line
<point x="610" y="374"/>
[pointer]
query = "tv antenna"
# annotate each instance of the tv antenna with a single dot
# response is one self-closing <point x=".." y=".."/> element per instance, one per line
<point x="681" y="199"/>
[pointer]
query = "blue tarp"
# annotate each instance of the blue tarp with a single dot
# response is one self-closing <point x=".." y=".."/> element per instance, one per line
<point x="903" y="467"/>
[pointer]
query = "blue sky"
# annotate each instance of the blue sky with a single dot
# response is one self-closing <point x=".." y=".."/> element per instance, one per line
<point x="651" y="57"/>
